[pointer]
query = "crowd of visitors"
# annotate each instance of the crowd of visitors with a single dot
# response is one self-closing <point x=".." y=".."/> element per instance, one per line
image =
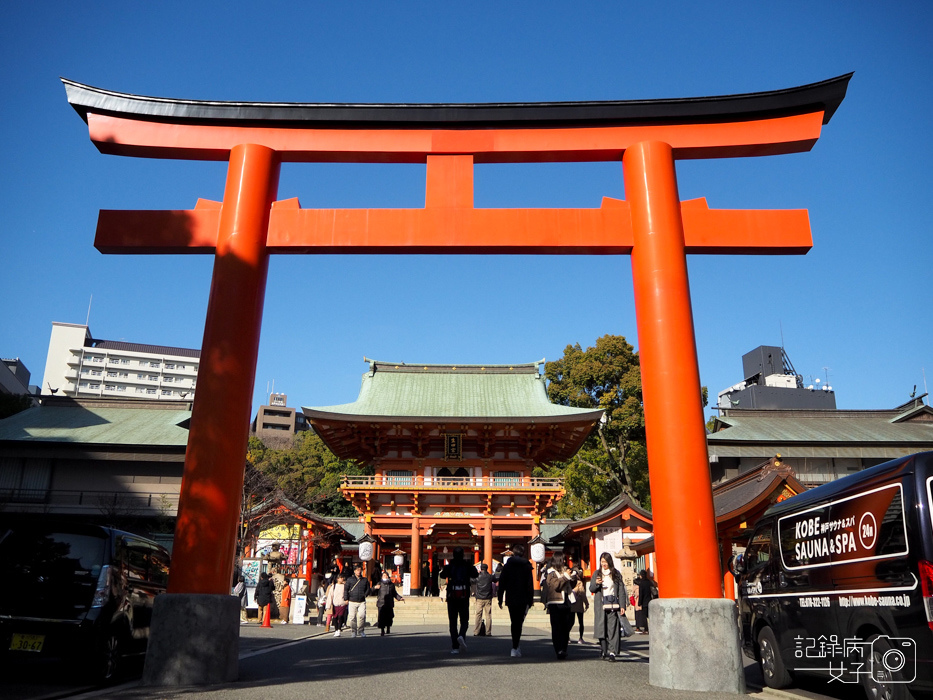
<point x="340" y="599"/>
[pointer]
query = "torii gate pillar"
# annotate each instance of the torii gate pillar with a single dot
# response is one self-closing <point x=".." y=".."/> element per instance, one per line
<point x="694" y="643"/>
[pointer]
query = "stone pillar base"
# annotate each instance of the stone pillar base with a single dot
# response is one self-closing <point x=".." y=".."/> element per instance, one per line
<point x="695" y="645"/>
<point x="194" y="640"/>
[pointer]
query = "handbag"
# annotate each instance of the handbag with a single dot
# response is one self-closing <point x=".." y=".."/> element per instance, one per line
<point x="626" y="626"/>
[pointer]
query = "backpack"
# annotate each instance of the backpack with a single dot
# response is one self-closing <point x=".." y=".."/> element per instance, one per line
<point x="458" y="585"/>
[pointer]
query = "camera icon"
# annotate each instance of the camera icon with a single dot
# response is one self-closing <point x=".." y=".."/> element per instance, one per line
<point x="893" y="659"/>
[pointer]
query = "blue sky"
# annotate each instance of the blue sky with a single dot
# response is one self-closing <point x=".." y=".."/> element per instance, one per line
<point x="854" y="309"/>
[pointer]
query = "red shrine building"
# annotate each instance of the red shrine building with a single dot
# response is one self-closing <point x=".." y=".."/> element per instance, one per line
<point x="454" y="449"/>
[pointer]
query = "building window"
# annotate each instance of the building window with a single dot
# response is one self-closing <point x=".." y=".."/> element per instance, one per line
<point x="153" y="377"/>
<point x="399" y="477"/>
<point x="25" y="479"/>
<point x="124" y="361"/>
<point x="111" y="374"/>
<point x="110" y="387"/>
<point x="166" y="392"/>
<point x="150" y="391"/>
<point x="93" y="385"/>
<point x="121" y="387"/>
<point x="167" y="380"/>
<point x="96" y="358"/>
<point x="169" y="365"/>
<point x="153" y="364"/>
<point x="506" y="478"/>
<point x="95" y="372"/>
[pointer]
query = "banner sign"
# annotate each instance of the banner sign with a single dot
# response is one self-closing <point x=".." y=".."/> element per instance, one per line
<point x="868" y="526"/>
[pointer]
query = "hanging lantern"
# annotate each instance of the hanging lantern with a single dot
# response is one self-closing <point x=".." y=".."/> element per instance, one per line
<point x="538" y="550"/>
<point x="399" y="558"/>
<point x="506" y="554"/>
<point x="366" y="547"/>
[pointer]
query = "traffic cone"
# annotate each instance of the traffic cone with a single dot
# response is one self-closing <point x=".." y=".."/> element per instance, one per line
<point x="267" y="618"/>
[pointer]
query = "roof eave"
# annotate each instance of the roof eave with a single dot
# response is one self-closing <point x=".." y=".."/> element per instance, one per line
<point x="822" y="96"/>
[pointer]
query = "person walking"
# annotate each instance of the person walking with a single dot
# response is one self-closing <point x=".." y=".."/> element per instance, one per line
<point x="458" y="574"/>
<point x="558" y="588"/>
<point x="644" y="594"/>
<point x="263" y="595"/>
<point x="426" y="587"/>
<point x="285" y="604"/>
<point x="608" y="604"/>
<point x="484" y="595"/>
<point x="580" y="603"/>
<point x="357" y="590"/>
<point x="516" y="585"/>
<point x="385" y="603"/>
<point x="320" y="601"/>
<point x="239" y="590"/>
<point x="337" y="603"/>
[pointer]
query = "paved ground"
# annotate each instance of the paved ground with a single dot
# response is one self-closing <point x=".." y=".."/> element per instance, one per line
<point x="300" y="662"/>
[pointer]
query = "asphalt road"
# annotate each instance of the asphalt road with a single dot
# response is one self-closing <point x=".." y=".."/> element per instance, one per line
<point x="291" y="661"/>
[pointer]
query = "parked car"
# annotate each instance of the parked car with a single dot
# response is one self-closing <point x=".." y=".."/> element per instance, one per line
<point x="838" y="582"/>
<point x="81" y="593"/>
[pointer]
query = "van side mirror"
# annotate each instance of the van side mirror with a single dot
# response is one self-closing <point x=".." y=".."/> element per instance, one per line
<point x="737" y="564"/>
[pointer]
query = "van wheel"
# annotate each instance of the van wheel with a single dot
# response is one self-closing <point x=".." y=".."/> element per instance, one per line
<point x="883" y="682"/>
<point x="772" y="665"/>
<point x="109" y="660"/>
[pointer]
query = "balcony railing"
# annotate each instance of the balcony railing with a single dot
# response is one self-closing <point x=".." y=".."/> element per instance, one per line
<point x="484" y="483"/>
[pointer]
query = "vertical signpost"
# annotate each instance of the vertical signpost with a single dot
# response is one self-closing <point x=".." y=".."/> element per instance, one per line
<point x="694" y="634"/>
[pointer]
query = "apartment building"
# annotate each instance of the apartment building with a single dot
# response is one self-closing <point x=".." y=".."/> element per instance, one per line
<point x="81" y="366"/>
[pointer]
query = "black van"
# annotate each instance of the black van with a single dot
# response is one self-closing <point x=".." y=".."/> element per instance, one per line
<point x="81" y="593"/>
<point x="838" y="581"/>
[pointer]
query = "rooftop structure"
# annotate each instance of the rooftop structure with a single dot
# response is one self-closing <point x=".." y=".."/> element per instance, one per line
<point x="82" y="366"/>
<point x="772" y="382"/>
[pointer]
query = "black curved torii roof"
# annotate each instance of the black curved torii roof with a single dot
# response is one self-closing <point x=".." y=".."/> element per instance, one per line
<point x="824" y="96"/>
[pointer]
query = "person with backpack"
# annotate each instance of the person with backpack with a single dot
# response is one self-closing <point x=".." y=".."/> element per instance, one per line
<point x="458" y="574"/>
<point x="516" y="584"/>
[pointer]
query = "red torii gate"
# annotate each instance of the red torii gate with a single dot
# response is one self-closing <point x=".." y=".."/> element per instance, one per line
<point x="652" y="225"/>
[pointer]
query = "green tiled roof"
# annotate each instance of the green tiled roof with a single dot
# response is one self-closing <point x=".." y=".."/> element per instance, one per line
<point x="93" y="423"/>
<point x="453" y="391"/>
<point x="836" y="426"/>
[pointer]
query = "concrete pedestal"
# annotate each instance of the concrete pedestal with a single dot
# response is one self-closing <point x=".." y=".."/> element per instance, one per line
<point x="194" y="640"/>
<point x="695" y="645"/>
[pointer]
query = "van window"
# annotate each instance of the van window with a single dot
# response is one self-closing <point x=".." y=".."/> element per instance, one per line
<point x="158" y="567"/>
<point x="134" y="557"/>
<point x="892" y="537"/>
<point x="759" y="549"/>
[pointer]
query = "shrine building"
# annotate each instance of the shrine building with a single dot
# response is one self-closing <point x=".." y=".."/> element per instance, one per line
<point x="453" y="449"/>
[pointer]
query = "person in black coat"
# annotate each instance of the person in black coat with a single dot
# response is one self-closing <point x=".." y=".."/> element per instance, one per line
<point x="608" y="604"/>
<point x="264" y="593"/>
<point x="517" y="587"/>
<point x="386" y="596"/>
<point x="458" y="574"/>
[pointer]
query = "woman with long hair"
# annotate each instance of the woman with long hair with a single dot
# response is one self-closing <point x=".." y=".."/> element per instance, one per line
<point x="608" y="605"/>
<point x="558" y="597"/>
<point x="580" y="603"/>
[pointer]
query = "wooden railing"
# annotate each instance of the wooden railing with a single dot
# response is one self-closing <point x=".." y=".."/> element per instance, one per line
<point x="486" y="483"/>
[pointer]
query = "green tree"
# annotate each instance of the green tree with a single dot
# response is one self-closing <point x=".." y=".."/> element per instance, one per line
<point x="613" y="459"/>
<point x="306" y="472"/>
<point x="11" y="404"/>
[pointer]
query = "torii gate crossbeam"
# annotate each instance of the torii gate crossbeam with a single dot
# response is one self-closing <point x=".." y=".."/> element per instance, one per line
<point x="652" y="225"/>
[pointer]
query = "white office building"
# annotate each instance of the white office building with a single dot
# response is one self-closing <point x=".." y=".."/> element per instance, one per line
<point x="82" y="366"/>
